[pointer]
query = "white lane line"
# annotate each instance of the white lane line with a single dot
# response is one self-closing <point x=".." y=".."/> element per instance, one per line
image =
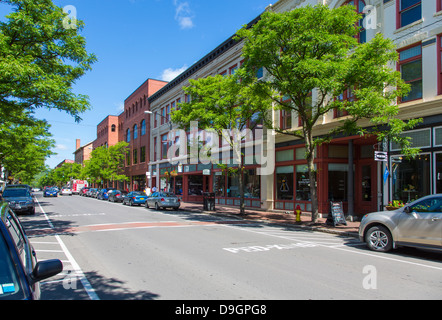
<point x="80" y="275"/>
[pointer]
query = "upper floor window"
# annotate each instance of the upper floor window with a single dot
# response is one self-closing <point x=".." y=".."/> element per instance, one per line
<point x="408" y="11"/>
<point x="113" y="128"/>
<point x="143" y="127"/>
<point x="128" y="135"/>
<point x="135" y="132"/>
<point x="359" y="5"/>
<point x="410" y="66"/>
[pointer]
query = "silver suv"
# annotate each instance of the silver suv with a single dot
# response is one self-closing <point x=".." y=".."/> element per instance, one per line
<point x="418" y="224"/>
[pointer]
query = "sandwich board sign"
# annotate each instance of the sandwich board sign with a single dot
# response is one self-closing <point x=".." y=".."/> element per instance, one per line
<point x="336" y="215"/>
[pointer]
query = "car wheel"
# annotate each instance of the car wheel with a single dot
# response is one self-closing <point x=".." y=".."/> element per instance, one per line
<point x="131" y="203"/>
<point x="379" y="238"/>
<point x="157" y="207"/>
<point x="146" y="205"/>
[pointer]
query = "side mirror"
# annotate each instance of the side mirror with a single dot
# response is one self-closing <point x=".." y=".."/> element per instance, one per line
<point x="407" y="210"/>
<point x="46" y="269"/>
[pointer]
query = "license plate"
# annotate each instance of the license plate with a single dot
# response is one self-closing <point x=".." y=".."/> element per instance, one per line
<point x="141" y="198"/>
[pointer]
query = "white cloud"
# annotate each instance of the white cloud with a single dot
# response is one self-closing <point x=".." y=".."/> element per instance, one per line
<point x="61" y="147"/>
<point x="183" y="14"/>
<point x="170" y="74"/>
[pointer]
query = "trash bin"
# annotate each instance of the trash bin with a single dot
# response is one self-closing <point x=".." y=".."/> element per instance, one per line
<point x="209" y="201"/>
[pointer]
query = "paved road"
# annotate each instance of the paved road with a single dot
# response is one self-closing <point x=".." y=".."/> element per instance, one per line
<point x="111" y="251"/>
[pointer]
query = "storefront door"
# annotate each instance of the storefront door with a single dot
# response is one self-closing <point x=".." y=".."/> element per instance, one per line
<point x="365" y="187"/>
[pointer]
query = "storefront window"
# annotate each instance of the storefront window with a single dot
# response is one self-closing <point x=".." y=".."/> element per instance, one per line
<point x="219" y="184"/>
<point x="233" y="186"/>
<point x="302" y="183"/>
<point x="195" y="184"/>
<point x="252" y="186"/>
<point x="411" y="179"/>
<point x="284" y="183"/>
<point x="179" y="185"/>
<point x="337" y="181"/>
<point x="438" y="172"/>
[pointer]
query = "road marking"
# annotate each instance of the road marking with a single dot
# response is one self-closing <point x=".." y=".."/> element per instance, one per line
<point x="80" y="275"/>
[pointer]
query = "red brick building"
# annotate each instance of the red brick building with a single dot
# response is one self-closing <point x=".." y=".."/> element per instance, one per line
<point x="135" y="129"/>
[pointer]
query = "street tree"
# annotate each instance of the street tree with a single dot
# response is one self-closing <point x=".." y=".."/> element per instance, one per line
<point x="311" y="56"/>
<point x="41" y="58"/>
<point x="220" y="104"/>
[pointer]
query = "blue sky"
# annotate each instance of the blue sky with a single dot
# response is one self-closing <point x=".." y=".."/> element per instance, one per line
<point x="139" y="39"/>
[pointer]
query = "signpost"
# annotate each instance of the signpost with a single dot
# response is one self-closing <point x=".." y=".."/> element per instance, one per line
<point x="336" y="215"/>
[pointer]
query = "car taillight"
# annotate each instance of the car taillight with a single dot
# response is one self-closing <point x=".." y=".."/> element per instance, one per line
<point x="134" y="198"/>
<point x="118" y="195"/>
<point x="162" y="199"/>
<point x="179" y="199"/>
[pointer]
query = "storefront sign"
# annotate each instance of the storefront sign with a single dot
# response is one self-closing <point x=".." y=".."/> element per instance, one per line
<point x="381" y="156"/>
<point x="336" y="215"/>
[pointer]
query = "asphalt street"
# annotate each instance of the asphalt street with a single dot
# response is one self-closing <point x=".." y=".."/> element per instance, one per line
<point x="116" y="252"/>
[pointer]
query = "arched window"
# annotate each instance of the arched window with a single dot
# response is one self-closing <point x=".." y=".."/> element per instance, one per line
<point x="143" y="127"/>
<point x="359" y="5"/>
<point x="128" y="135"/>
<point x="135" y="132"/>
<point x="113" y="128"/>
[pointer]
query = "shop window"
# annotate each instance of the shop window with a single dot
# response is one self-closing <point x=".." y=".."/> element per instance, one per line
<point x="438" y="164"/>
<point x="438" y="137"/>
<point x="195" y="185"/>
<point x="219" y="184"/>
<point x="284" y="155"/>
<point x="411" y="178"/>
<point x="439" y="62"/>
<point x="302" y="183"/>
<point x="410" y="66"/>
<point x="408" y="11"/>
<point x="252" y="184"/>
<point x="284" y="183"/>
<point x="233" y="186"/>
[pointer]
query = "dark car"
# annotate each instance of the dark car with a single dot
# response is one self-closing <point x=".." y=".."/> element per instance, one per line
<point x="19" y="199"/>
<point x="135" y="197"/>
<point x="20" y="272"/>
<point x="50" y="192"/>
<point x="116" y="195"/>
<point x="163" y="200"/>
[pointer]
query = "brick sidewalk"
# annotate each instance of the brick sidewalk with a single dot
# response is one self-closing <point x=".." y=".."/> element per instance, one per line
<point x="351" y="229"/>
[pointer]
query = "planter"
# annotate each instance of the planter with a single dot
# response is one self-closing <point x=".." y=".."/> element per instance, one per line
<point x="391" y="208"/>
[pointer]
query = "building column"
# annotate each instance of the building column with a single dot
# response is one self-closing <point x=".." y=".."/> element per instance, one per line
<point x="350" y="182"/>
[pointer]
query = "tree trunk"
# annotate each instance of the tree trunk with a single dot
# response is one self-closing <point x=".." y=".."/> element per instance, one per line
<point x="310" y="150"/>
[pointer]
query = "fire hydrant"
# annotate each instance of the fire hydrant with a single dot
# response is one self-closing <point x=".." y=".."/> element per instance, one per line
<point x="298" y="213"/>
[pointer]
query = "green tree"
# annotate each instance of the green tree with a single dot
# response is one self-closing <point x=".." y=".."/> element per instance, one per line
<point x="106" y="164"/>
<point x="40" y="60"/>
<point x="222" y="105"/>
<point x="313" y="49"/>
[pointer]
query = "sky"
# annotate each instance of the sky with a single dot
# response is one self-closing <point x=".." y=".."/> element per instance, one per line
<point x="135" y="40"/>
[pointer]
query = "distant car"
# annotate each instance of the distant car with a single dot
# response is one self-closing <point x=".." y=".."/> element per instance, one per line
<point x="66" y="191"/>
<point x="116" y="195"/>
<point x="50" y="192"/>
<point x="103" y="193"/>
<point x="20" y="272"/>
<point x="163" y="200"/>
<point x="91" y="191"/>
<point x="83" y="191"/>
<point x="418" y="224"/>
<point x="19" y="199"/>
<point x="135" y="198"/>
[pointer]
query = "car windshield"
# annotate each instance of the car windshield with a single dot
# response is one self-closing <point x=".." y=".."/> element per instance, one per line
<point x="10" y="287"/>
<point x="15" y="193"/>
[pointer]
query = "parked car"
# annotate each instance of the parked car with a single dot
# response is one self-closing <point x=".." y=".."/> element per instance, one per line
<point x="90" y="192"/>
<point x="83" y="191"/>
<point x="103" y="193"/>
<point x="19" y="199"/>
<point x="116" y="195"/>
<point x="418" y="224"/>
<point x="50" y="192"/>
<point x="94" y="193"/>
<point x="20" y="272"/>
<point x="135" y="197"/>
<point x="163" y="200"/>
<point x="65" y="191"/>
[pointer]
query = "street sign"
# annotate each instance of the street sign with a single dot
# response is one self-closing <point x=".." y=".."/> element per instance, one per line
<point x="381" y="156"/>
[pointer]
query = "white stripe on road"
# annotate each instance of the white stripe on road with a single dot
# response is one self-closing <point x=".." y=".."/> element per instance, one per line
<point x="80" y="275"/>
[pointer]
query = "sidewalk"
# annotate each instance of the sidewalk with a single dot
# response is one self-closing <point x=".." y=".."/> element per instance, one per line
<point x="280" y="218"/>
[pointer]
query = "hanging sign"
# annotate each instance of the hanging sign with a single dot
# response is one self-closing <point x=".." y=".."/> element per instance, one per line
<point x="381" y="156"/>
